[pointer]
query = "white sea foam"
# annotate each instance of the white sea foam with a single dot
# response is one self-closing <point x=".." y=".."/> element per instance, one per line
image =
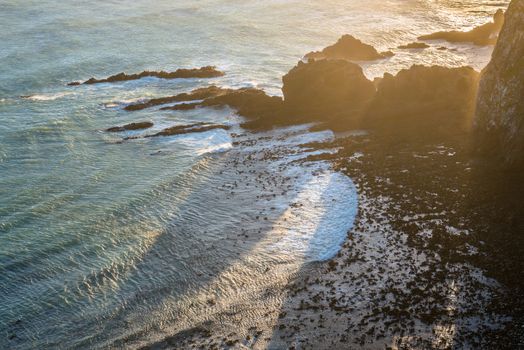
<point x="211" y="141"/>
<point x="316" y="224"/>
<point x="47" y="97"/>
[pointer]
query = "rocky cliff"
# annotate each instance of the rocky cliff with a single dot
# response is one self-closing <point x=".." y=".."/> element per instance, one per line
<point x="499" y="122"/>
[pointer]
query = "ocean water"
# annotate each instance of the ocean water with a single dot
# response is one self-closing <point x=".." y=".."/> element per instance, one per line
<point x="102" y="240"/>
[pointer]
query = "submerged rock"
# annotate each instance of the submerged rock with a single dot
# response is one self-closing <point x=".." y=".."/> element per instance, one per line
<point x="131" y="126"/>
<point x="203" y="72"/>
<point x="499" y="121"/>
<point x="485" y="34"/>
<point x="349" y="48"/>
<point x="326" y="90"/>
<point x="414" y="45"/>
<point x="424" y="101"/>
<point x="197" y="94"/>
<point x="187" y="129"/>
<point x="183" y="129"/>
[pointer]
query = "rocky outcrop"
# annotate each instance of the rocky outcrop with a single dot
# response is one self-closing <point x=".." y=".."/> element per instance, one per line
<point x="326" y="90"/>
<point x="249" y="102"/>
<point x="349" y="48"/>
<point x="424" y="101"/>
<point x="499" y="122"/>
<point x="485" y="34"/>
<point x="203" y="72"/>
<point x="131" y="126"/>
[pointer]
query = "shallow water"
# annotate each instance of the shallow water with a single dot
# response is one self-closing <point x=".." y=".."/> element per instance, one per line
<point x="95" y="234"/>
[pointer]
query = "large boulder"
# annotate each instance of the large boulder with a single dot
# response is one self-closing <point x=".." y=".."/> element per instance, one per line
<point x="326" y="90"/>
<point x="424" y="101"/>
<point x="349" y="48"/>
<point x="499" y="121"/>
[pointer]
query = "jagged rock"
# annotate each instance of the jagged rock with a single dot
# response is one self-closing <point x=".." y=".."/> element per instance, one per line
<point x="414" y="45"/>
<point x="131" y="126"/>
<point x="326" y="90"/>
<point x="203" y="72"/>
<point x="499" y="121"/>
<point x="485" y="34"/>
<point x="197" y="94"/>
<point x="424" y="101"/>
<point x="349" y="48"/>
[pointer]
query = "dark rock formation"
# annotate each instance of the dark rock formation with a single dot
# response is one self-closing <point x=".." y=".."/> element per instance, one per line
<point x="499" y="122"/>
<point x="197" y="94"/>
<point x="326" y="90"/>
<point x="183" y="129"/>
<point x="485" y="34"/>
<point x="132" y="126"/>
<point x="349" y="48"/>
<point x="424" y="101"/>
<point x="182" y="107"/>
<point x="187" y="129"/>
<point x="414" y="46"/>
<point x="204" y="72"/>
<point x="249" y="102"/>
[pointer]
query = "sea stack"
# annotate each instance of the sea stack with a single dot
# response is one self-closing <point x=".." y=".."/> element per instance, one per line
<point x="499" y="121"/>
<point x="325" y="90"/>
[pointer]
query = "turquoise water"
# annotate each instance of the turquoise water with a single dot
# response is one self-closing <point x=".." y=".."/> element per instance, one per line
<point x="100" y="238"/>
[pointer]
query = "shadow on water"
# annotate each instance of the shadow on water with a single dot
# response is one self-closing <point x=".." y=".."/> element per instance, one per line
<point x="233" y="236"/>
<point x="225" y="221"/>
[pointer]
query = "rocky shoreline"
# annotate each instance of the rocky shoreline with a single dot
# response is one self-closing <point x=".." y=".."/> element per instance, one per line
<point x="435" y="257"/>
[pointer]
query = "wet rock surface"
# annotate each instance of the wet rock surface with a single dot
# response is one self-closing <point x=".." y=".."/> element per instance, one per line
<point x="348" y="48"/>
<point x="182" y="73"/>
<point x="423" y="267"/>
<point x="485" y="34"/>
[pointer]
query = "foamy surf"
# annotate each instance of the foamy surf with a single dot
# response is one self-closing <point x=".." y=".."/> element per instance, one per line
<point x="46" y="97"/>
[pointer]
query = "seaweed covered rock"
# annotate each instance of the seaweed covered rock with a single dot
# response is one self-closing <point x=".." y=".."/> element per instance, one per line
<point x="326" y="91"/>
<point x="349" y="48"/>
<point x="485" y="34"/>
<point x="499" y="121"/>
<point x="424" y="101"/>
